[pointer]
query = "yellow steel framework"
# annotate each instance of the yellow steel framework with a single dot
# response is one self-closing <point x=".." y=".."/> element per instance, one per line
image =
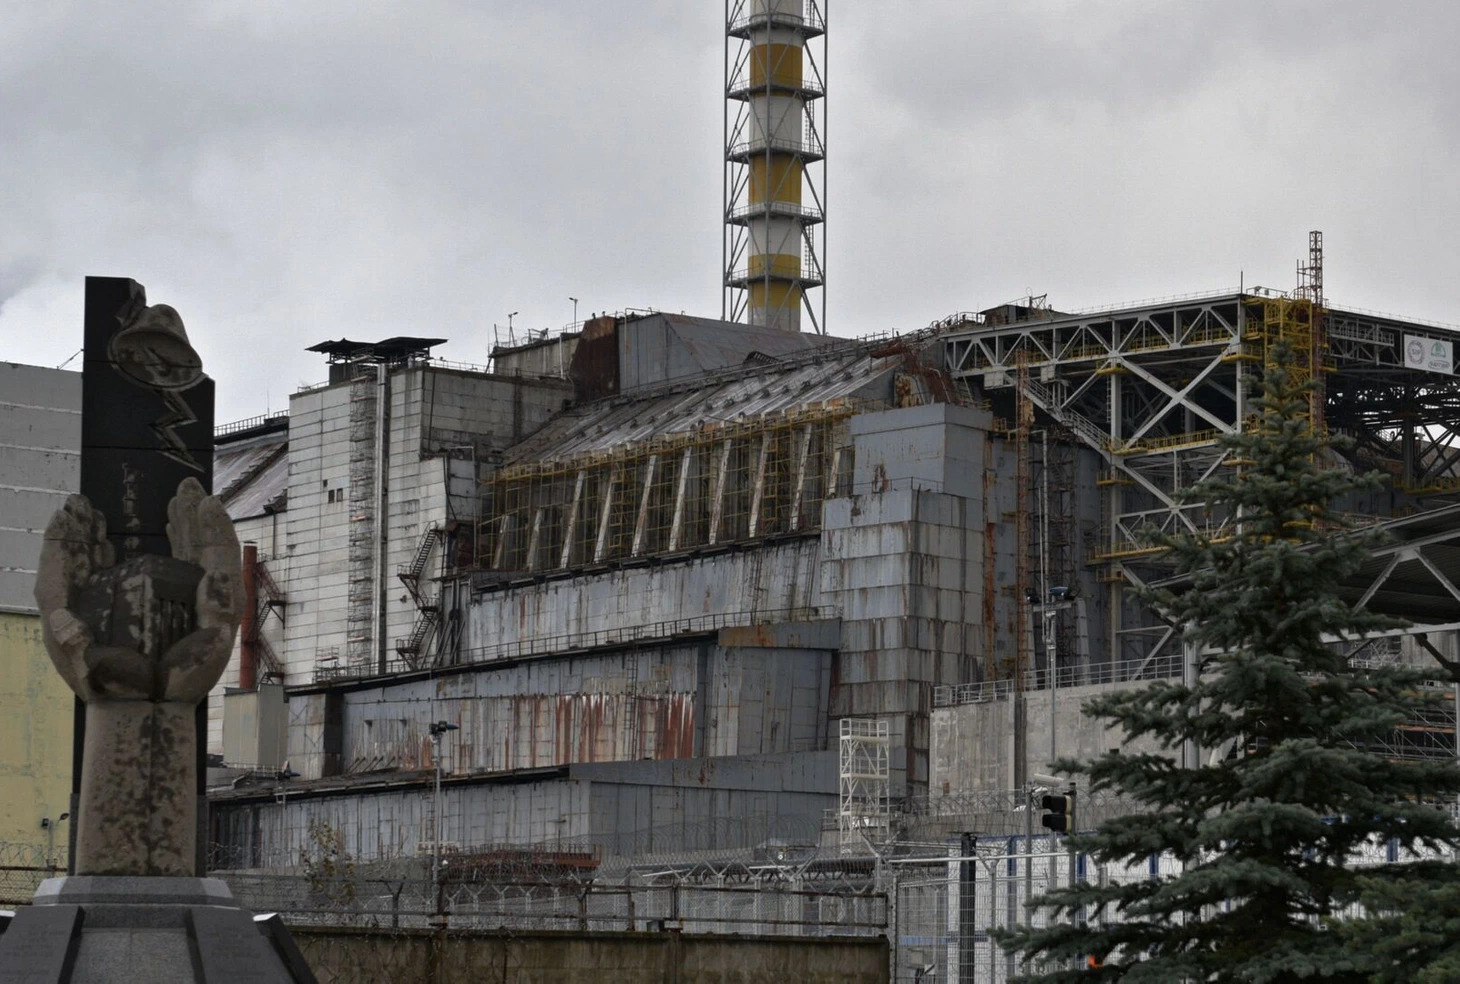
<point x="1291" y="320"/>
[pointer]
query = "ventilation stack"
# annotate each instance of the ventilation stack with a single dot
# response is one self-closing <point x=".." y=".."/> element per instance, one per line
<point x="775" y="162"/>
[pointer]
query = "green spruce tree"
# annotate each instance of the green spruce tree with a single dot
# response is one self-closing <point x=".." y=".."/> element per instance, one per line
<point x="1410" y="932"/>
<point x="1292" y="783"/>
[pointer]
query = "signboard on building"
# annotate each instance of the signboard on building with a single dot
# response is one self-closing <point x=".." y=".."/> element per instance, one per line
<point x="1429" y="354"/>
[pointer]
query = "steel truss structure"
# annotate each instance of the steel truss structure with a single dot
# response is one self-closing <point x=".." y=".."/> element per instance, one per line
<point x="866" y="769"/>
<point x="1151" y="388"/>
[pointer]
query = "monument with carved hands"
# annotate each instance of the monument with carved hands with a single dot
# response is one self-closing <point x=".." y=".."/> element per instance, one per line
<point x="140" y="590"/>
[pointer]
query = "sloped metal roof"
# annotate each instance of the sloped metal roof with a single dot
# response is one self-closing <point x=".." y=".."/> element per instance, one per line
<point x="252" y="475"/>
<point x="851" y="373"/>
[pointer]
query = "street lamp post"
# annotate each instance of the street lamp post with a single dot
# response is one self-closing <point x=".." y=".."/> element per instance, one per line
<point x="50" y="827"/>
<point x="438" y="728"/>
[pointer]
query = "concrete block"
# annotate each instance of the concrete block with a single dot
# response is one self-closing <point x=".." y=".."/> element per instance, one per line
<point x="43" y="426"/>
<point x="37" y="386"/>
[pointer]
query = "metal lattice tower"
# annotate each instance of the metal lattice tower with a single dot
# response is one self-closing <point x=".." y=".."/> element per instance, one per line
<point x="775" y="163"/>
<point x="866" y="771"/>
<point x="1310" y="286"/>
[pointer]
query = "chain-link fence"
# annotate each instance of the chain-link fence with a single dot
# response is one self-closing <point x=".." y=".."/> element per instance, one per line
<point x="399" y="927"/>
<point x="947" y="910"/>
<point x="22" y="869"/>
<point x="752" y="907"/>
<point x="930" y="908"/>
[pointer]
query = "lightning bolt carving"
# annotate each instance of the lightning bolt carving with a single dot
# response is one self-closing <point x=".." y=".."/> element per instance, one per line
<point x="177" y="415"/>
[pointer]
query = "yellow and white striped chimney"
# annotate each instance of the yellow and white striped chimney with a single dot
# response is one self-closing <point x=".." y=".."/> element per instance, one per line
<point x="775" y="154"/>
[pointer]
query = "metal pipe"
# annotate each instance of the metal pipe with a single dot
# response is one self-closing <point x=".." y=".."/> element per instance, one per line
<point x="436" y="815"/>
<point x="1190" y="672"/>
<point x="1048" y="615"/>
<point x="1028" y="849"/>
<point x="248" y="637"/>
<point x="437" y="728"/>
<point x="377" y="535"/>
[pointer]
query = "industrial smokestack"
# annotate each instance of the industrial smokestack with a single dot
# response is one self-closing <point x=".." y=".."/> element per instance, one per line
<point x="775" y="162"/>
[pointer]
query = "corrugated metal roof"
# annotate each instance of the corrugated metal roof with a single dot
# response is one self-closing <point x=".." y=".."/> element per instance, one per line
<point x="252" y="474"/>
<point x="811" y="380"/>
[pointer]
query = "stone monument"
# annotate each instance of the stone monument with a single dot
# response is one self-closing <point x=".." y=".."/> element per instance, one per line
<point x="140" y="591"/>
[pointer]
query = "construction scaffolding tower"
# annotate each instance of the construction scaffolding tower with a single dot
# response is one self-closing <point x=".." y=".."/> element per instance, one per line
<point x="866" y="772"/>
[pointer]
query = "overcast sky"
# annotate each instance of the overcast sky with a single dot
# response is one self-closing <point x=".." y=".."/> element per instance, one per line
<point x="285" y="172"/>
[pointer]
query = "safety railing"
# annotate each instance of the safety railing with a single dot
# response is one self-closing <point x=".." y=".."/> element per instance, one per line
<point x="578" y="641"/>
<point x="1157" y="667"/>
<point x="249" y="423"/>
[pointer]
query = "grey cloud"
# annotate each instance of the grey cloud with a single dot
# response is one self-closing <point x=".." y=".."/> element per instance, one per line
<point x="287" y="172"/>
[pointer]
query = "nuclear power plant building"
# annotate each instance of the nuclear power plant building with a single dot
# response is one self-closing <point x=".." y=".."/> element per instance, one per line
<point x="660" y="584"/>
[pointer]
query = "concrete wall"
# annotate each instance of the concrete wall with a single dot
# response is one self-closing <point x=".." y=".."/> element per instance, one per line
<point x="661" y="347"/>
<point x="267" y="533"/>
<point x="710" y="804"/>
<point x="752" y="691"/>
<point x="313" y="567"/>
<point x="35" y="738"/>
<point x="448" y="407"/>
<point x="40" y="464"/>
<point x="634" y="808"/>
<point x="776" y="576"/>
<point x="528" y="957"/>
<point x="903" y="562"/>
<point x="551" y="356"/>
<point x="973" y="744"/>
<point x="431" y="410"/>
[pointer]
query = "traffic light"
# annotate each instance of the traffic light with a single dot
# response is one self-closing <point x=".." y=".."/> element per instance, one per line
<point x="1059" y="812"/>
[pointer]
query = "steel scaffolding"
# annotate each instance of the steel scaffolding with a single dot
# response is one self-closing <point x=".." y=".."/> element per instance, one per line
<point x="741" y="481"/>
<point x="1150" y="390"/>
<point x="864" y="816"/>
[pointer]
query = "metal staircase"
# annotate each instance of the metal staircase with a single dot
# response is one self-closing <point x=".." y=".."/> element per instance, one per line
<point x="270" y="599"/>
<point x="428" y="608"/>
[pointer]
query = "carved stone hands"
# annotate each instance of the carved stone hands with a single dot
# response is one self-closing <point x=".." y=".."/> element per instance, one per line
<point x="200" y="532"/>
<point x="76" y="550"/>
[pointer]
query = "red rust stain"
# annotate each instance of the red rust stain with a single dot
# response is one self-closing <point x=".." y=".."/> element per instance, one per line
<point x="748" y="635"/>
<point x="686" y="743"/>
<point x="588" y="732"/>
<point x="674" y="727"/>
<point x="563" y="733"/>
<point x="504" y="758"/>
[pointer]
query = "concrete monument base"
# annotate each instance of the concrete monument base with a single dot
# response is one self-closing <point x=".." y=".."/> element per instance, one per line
<point x="134" y="928"/>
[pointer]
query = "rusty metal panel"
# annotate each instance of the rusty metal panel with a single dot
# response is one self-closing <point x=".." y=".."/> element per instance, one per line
<point x="305" y="741"/>
<point x="528" y="731"/>
<point x="594" y="609"/>
<point x="595" y="361"/>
